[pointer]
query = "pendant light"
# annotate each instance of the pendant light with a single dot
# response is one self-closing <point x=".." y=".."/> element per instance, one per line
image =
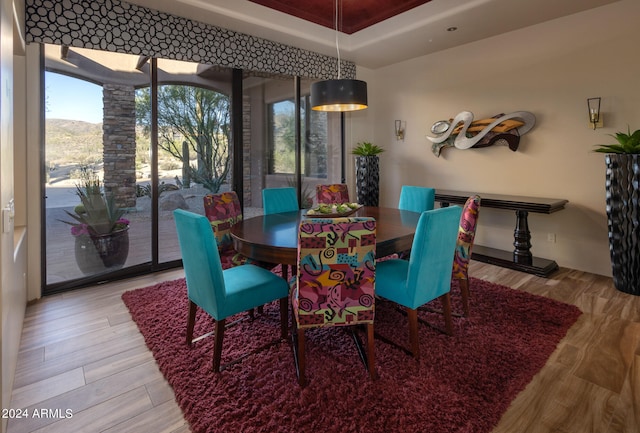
<point x="338" y="94"/>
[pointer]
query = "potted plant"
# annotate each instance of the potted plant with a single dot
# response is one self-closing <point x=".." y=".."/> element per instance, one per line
<point x="100" y="230"/>
<point x="367" y="173"/>
<point x="623" y="208"/>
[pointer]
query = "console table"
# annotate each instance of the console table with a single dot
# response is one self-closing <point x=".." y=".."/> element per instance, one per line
<point x="521" y="258"/>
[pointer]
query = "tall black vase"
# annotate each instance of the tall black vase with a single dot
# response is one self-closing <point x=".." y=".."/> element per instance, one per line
<point x="623" y="212"/>
<point x="367" y="180"/>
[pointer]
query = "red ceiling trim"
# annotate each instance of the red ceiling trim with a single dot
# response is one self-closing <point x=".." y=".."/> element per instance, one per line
<point x="356" y="14"/>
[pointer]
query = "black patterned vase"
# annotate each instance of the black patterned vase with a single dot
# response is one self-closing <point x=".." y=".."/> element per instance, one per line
<point x="101" y="253"/>
<point x="367" y="180"/>
<point x="623" y="220"/>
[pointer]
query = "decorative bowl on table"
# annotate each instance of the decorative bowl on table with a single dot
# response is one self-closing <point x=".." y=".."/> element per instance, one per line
<point x="333" y="210"/>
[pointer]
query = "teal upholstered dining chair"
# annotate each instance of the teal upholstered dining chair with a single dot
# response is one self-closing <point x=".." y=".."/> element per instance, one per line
<point x="279" y="200"/>
<point x="222" y="293"/>
<point x="223" y="210"/>
<point x="416" y="198"/>
<point x="335" y="282"/>
<point x="427" y="274"/>
<point x="462" y="256"/>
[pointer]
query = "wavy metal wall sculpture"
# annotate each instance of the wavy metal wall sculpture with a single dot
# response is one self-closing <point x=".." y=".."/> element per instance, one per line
<point x="463" y="132"/>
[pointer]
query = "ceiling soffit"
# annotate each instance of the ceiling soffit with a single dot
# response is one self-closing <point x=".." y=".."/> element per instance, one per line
<point x="354" y="15"/>
<point x="420" y="30"/>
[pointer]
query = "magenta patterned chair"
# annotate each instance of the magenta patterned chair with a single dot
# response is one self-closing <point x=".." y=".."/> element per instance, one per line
<point x="223" y="211"/>
<point x="464" y="244"/>
<point x="334" y="193"/>
<point x="335" y="282"/>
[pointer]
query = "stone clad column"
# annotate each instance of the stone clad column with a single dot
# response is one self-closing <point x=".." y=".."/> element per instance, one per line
<point x="119" y="141"/>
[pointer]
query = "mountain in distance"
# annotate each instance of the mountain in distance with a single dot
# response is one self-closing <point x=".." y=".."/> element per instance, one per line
<point x="71" y="143"/>
<point x="61" y="130"/>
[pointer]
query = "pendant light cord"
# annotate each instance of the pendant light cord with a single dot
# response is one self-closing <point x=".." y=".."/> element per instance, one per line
<point x="337" y="45"/>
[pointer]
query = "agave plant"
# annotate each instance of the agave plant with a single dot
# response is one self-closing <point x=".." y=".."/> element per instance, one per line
<point x="628" y="143"/>
<point x="97" y="213"/>
<point x="367" y="149"/>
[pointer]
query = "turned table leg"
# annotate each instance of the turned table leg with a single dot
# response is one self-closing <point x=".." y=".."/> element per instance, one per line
<point x="522" y="239"/>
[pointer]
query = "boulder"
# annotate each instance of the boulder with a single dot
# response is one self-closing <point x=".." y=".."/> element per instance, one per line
<point x="173" y="201"/>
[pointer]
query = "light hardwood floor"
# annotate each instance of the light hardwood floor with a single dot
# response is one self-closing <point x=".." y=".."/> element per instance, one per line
<point x="80" y="349"/>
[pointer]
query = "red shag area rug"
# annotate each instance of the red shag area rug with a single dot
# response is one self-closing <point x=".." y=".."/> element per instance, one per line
<point x="462" y="383"/>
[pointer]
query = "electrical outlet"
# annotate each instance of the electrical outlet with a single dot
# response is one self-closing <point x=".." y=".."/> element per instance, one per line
<point x="551" y="237"/>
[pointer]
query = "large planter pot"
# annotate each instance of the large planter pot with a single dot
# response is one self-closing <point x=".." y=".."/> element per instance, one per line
<point x="100" y="253"/>
<point x="367" y="180"/>
<point x="623" y="214"/>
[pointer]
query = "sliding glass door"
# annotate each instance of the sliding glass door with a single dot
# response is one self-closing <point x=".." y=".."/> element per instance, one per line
<point x="92" y="164"/>
<point x="129" y="139"/>
<point x="192" y="126"/>
<point x="286" y="144"/>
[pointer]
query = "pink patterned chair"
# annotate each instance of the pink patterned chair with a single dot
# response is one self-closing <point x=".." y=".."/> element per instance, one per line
<point x="335" y="282"/>
<point x="464" y="244"/>
<point x="223" y="211"/>
<point x="334" y="193"/>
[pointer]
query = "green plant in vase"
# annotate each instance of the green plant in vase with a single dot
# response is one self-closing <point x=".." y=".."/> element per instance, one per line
<point x="623" y="208"/>
<point x="367" y="173"/>
<point x="627" y="143"/>
<point x="99" y="227"/>
<point x="366" y="148"/>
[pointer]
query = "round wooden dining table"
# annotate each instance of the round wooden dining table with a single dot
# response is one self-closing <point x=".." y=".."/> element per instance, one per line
<point x="274" y="238"/>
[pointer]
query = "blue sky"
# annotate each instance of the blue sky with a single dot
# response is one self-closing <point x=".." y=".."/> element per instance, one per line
<point x="71" y="98"/>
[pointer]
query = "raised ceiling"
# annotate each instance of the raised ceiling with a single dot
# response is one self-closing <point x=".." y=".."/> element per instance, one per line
<point x="353" y="15"/>
<point x="422" y="29"/>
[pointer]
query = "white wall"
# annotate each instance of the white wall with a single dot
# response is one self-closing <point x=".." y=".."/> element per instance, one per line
<point x="548" y="69"/>
<point x="13" y="250"/>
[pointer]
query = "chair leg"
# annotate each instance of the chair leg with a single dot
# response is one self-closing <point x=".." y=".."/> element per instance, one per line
<point x="217" y="345"/>
<point x="191" y="321"/>
<point x="371" y="351"/>
<point x="300" y="357"/>
<point x="446" y="308"/>
<point x="297" y="337"/>
<point x="464" y="291"/>
<point x="284" y="317"/>
<point x="291" y="272"/>
<point x="412" y="316"/>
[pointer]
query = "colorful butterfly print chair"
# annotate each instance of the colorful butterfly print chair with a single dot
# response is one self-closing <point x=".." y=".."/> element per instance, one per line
<point x="222" y="293"/>
<point x="335" y="282"/>
<point x="464" y="244"/>
<point x="427" y="274"/>
<point x="334" y="193"/>
<point x="223" y="211"/>
<point x="279" y="200"/>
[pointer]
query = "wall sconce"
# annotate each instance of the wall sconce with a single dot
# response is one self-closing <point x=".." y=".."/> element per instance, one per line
<point x="400" y="128"/>
<point x="595" y="116"/>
